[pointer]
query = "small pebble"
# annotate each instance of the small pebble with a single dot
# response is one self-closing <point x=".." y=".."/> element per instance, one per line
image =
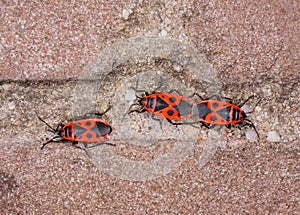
<point x="251" y="135"/>
<point x="154" y="32"/>
<point x="126" y="13"/>
<point x="11" y="105"/>
<point x="182" y="37"/>
<point x="163" y="33"/>
<point x="130" y="95"/>
<point x="6" y="87"/>
<point x="246" y="108"/>
<point x="177" y="68"/>
<point x="273" y="136"/>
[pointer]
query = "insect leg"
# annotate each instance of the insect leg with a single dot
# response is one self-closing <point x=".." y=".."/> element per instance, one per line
<point x="137" y="90"/>
<point x="218" y="97"/>
<point x="52" y="140"/>
<point x="131" y="111"/>
<point x="196" y="94"/>
<point x="175" y="91"/>
<point x="153" y="117"/>
<point x="101" y="114"/>
<point x="102" y="143"/>
<point x="138" y="111"/>
<point x="250" y="123"/>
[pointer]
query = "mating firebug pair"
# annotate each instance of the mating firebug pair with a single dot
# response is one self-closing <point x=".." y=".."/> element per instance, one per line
<point x="208" y="112"/>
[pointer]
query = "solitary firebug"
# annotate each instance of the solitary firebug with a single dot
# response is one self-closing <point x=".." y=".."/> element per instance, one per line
<point x="85" y="130"/>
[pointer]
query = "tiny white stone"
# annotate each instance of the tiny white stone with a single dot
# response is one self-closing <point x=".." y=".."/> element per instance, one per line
<point x="154" y="32"/>
<point x="125" y="13"/>
<point x="251" y="135"/>
<point x="163" y="33"/>
<point x="273" y="136"/>
<point x="182" y="36"/>
<point x="6" y="87"/>
<point x="11" y="105"/>
<point x="132" y="6"/>
<point x="177" y="68"/>
<point x="258" y="109"/>
<point x="246" y="108"/>
<point x="130" y="95"/>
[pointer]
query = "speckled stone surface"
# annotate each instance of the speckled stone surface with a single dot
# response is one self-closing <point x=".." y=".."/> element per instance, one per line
<point x="253" y="48"/>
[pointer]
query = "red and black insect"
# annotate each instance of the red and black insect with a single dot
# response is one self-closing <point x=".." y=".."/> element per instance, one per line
<point x="86" y="130"/>
<point x="168" y="105"/>
<point x="215" y="112"/>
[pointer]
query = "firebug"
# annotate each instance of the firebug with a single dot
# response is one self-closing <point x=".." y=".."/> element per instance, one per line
<point x="216" y="112"/>
<point x="167" y="105"/>
<point x="85" y="130"/>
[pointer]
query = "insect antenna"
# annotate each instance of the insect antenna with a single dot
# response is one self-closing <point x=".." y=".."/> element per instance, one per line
<point x="138" y="90"/>
<point x="129" y="111"/>
<point x="51" y="128"/>
<point x="258" y="101"/>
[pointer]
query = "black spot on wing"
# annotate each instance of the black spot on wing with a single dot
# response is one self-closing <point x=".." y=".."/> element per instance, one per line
<point x="170" y="112"/>
<point x="215" y="104"/>
<point x="213" y="118"/>
<point x="172" y="99"/>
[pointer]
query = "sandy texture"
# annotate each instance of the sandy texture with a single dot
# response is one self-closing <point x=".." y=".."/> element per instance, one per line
<point x="252" y="48"/>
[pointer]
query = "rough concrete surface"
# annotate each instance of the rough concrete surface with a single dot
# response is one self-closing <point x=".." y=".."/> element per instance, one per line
<point x="62" y="59"/>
